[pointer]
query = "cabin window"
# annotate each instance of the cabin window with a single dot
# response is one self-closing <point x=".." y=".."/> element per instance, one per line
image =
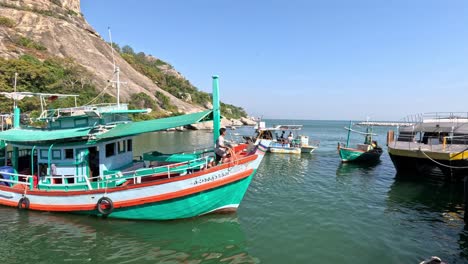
<point x="81" y="122"/>
<point x="110" y="150"/>
<point x="56" y="154"/>
<point x="69" y="154"/>
<point x="44" y="154"/>
<point x="129" y="145"/>
<point x="56" y="124"/>
<point x="121" y="146"/>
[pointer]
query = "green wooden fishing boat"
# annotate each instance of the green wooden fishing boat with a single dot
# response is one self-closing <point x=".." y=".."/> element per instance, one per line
<point x="82" y="162"/>
<point x="367" y="152"/>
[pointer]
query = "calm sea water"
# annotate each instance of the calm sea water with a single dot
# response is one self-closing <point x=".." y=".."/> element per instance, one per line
<point x="298" y="209"/>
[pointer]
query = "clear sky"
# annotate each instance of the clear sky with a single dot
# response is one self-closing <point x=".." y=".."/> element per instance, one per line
<point x="305" y="59"/>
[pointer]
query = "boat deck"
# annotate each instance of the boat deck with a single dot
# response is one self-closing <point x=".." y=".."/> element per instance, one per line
<point x="438" y="148"/>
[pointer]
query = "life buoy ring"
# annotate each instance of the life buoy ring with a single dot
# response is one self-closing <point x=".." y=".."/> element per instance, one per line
<point x="23" y="203"/>
<point x="105" y="206"/>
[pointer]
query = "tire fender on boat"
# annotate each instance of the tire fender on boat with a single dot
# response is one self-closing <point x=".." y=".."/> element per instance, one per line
<point x="105" y="206"/>
<point x="23" y="203"/>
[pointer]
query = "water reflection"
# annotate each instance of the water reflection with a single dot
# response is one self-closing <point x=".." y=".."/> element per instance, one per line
<point x="434" y="196"/>
<point x="436" y="209"/>
<point x="356" y="168"/>
<point x="30" y="236"/>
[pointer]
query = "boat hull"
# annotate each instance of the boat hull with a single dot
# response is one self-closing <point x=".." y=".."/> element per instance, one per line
<point x="354" y="155"/>
<point x="285" y="150"/>
<point x="220" y="188"/>
<point x="422" y="167"/>
<point x="223" y="199"/>
<point x="307" y="149"/>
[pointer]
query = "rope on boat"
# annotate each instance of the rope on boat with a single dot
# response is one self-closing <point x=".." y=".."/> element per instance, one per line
<point x="441" y="164"/>
<point x="100" y="94"/>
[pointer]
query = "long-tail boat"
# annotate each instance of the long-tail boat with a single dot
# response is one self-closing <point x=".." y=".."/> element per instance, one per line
<point x="369" y="151"/>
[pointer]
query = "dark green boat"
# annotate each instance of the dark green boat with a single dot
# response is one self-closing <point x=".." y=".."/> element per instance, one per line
<point x="365" y="153"/>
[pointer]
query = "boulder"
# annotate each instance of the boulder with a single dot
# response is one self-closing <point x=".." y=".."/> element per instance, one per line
<point x="247" y="121"/>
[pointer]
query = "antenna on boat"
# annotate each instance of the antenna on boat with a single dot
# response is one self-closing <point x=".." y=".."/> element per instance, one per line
<point x="116" y="68"/>
<point x="112" y="47"/>
<point x="14" y="87"/>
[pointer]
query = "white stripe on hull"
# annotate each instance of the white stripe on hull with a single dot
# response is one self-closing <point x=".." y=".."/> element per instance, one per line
<point x="134" y="193"/>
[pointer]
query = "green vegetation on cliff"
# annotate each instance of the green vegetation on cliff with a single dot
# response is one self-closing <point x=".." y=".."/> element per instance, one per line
<point x="58" y="75"/>
<point x="6" y="22"/>
<point x="53" y="75"/>
<point x="168" y="79"/>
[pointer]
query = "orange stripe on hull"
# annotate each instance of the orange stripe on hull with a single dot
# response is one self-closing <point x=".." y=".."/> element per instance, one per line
<point x="133" y="186"/>
<point x="139" y="201"/>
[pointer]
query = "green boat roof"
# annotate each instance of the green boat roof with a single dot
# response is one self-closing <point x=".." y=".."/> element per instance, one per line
<point x="130" y="129"/>
<point x="120" y="130"/>
<point x="34" y="135"/>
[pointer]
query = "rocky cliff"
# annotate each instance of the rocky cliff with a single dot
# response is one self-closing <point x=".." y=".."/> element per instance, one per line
<point x="59" y="27"/>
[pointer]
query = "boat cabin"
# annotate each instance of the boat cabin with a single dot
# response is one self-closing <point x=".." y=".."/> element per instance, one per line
<point x="82" y="147"/>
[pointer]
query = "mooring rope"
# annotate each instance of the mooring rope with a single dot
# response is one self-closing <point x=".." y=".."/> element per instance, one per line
<point x="441" y="164"/>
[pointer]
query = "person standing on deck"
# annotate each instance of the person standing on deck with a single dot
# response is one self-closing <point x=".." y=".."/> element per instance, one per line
<point x="221" y="149"/>
<point x="290" y="139"/>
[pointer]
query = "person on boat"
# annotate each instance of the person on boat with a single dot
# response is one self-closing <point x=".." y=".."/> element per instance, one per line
<point x="282" y="139"/>
<point x="290" y="138"/>
<point x="374" y="144"/>
<point x="221" y="148"/>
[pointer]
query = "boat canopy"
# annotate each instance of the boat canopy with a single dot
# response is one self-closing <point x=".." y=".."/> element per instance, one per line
<point x="32" y="135"/>
<point x="135" y="128"/>
<point x="120" y="130"/>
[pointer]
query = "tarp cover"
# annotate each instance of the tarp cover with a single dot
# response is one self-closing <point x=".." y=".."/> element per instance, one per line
<point x="31" y="135"/>
<point x="135" y="128"/>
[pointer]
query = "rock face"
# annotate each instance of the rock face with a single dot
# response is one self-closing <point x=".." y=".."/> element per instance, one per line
<point x="248" y="122"/>
<point x="59" y="26"/>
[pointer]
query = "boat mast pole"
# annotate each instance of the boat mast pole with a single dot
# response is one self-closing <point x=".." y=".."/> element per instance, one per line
<point x="116" y="68"/>
<point x="16" y="110"/>
<point x="216" y="108"/>
<point x="349" y="133"/>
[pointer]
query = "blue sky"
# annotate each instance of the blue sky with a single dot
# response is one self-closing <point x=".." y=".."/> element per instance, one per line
<point x="299" y="59"/>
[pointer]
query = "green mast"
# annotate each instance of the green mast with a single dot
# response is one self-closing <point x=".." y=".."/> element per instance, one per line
<point x="216" y="108"/>
<point x="349" y="133"/>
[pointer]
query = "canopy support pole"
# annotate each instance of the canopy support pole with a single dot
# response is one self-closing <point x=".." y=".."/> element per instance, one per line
<point x="216" y="108"/>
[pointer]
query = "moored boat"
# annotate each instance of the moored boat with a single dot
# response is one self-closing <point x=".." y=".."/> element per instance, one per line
<point x="367" y="152"/>
<point x="436" y="144"/>
<point x="286" y="143"/>
<point x="83" y="162"/>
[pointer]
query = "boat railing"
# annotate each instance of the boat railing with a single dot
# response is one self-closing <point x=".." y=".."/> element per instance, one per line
<point x="116" y="178"/>
<point x="80" y="110"/>
<point x="136" y="176"/>
<point x="454" y="117"/>
<point x="434" y="143"/>
<point x="15" y="178"/>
